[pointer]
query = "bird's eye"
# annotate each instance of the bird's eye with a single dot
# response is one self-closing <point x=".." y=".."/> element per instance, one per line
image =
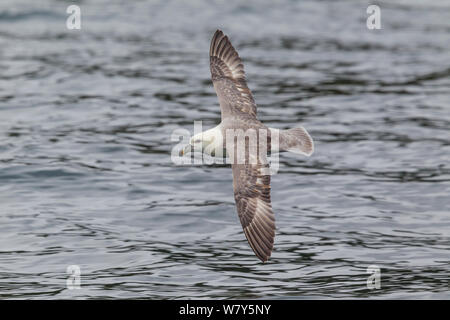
<point x="197" y="141"/>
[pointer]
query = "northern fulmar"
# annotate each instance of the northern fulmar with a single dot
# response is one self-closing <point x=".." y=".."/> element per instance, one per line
<point x="251" y="174"/>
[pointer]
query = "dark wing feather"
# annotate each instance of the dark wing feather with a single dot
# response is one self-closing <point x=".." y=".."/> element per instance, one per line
<point x="252" y="194"/>
<point x="228" y="76"/>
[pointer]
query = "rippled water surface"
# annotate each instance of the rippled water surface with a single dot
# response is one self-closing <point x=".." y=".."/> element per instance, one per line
<point x="86" y="177"/>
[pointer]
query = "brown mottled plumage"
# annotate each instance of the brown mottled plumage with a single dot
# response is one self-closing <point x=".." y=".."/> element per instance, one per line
<point x="251" y="179"/>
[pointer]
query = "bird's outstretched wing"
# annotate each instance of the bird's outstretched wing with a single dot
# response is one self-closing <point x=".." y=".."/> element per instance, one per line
<point x="228" y="76"/>
<point x="251" y="184"/>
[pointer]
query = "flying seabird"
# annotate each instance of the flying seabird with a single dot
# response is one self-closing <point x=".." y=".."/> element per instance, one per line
<point x="251" y="174"/>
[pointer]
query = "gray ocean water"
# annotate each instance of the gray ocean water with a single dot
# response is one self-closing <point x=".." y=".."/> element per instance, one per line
<point x="86" y="176"/>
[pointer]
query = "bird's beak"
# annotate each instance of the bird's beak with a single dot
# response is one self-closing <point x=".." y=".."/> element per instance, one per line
<point x="187" y="149"/>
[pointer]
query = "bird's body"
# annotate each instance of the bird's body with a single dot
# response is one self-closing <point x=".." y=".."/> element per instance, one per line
<point x="247" y="141"/>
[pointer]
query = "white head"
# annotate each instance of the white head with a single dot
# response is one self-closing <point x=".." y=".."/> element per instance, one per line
<point x="201" y="141"/>
<point x="205" y="142"/>
<point x="198" y="143"/>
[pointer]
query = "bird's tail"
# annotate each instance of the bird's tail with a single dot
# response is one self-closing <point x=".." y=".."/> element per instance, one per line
<point x="296" y="140"/>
